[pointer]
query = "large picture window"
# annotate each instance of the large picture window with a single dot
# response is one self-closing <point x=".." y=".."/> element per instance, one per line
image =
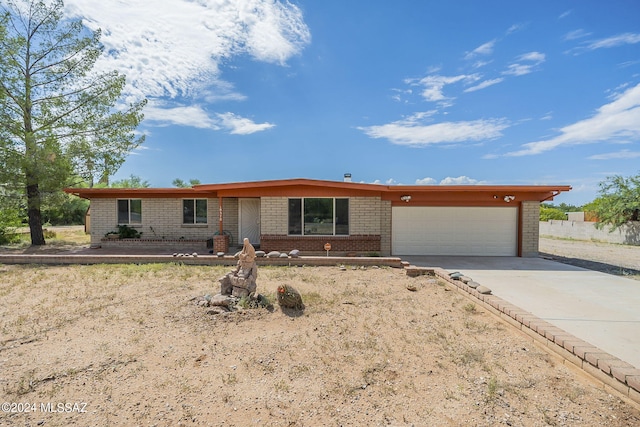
<point x="194" y="211"/>
<point x="129" y="211"/>
<point x="315" y="216"/>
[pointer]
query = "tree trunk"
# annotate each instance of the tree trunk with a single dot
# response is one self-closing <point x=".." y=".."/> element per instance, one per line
<point x="33" y="213"/>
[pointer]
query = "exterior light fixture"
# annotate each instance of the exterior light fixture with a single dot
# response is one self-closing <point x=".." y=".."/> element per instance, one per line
<point x="405" y="198"/>
<point x="509" y="198"/>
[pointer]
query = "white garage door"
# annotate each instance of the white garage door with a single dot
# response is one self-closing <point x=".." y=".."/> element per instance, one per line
<point x="482" y="231"/>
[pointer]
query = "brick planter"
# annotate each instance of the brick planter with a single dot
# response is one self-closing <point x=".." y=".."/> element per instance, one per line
<point x="220" y="243"/>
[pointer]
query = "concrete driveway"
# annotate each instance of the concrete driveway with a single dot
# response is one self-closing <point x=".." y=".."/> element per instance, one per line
<point x="599" y="308"/>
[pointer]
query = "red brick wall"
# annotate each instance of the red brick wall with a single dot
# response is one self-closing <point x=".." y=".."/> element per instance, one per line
<point x="359" y="244"/>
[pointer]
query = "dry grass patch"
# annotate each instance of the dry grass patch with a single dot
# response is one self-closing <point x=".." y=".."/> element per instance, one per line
<point x="130" y="342"/>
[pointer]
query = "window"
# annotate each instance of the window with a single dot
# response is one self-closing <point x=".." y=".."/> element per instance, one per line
<point x="130" y="211"/>
<point x="194" y="211"/>
<point x="318" y="216"/>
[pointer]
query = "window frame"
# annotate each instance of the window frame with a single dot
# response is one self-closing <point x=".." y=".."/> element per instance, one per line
<point x="129" y="212"/>
<point x="195" y="211"/>
<point x="300" y="222"/>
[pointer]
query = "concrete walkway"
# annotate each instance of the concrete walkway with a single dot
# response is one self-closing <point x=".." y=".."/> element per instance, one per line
<point x="601" y="309"/>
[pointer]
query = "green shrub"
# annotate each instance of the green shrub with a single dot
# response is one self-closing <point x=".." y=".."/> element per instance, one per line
<point x="547" y="214"/>
<point x="9" y="221"/>
<point x="127" y="232"/>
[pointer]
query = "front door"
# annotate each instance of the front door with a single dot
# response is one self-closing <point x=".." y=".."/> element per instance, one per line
<point x="249" y="220"/>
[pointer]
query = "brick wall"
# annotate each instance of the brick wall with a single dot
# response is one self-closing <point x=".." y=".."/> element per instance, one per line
<point x="367" y="216"/>
<point x="385" y="227"/>
<point x="162" y="220"/>
<point x="229" y="220"/>
<point x="340" y="245"/>
<point x="274" y="215"/>
<point x="530" y="228"/>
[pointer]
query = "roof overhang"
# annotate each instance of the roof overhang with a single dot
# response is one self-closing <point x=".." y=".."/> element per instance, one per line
<point x="398" y="194"/>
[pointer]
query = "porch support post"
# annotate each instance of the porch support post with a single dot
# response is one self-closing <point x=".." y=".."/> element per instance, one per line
<point x="220" y="216"/>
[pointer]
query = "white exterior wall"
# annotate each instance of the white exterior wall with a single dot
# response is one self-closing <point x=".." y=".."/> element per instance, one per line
<point x="530" y="229"/>
<point x="274" y="216"/>
<point x="161" y="219"/>
<point x="579" y="230"/>
<point x="365" y="215"/>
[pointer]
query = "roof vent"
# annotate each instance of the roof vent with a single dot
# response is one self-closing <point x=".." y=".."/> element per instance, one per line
<point x="347" y="177"/>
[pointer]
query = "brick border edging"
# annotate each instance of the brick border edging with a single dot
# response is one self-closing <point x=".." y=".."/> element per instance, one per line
<point x="229" y="260"/>
<point x="607" y="369"/>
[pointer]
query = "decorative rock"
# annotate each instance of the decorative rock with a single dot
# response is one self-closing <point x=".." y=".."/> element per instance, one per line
<point x="222" y="301"/>
<point x="456" y="276"/>
<point x="283" y="255"/>
<point x="483" y="290"/>
<point x="220" y="254"/>
<point x="473" y="284"/>
<point x="241" y="282"/>
<point x="175" y="254"/>
<point x="273" y="254"/>
<point x="465" y="279"/>
<point x="195" y="254"/>
<point x="294" y="253"/>
<point x="260" y="254"/>
<point x="289" y="297"/>
<point x="412" y="287"/>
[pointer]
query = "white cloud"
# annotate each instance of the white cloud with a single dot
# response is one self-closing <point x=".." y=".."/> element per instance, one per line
<point x="576" y="34"/>
<point x="165" y="114"/>
<point x="426" y="181"/>
<point x="483" y="49"/>
<point x="434" y="85"/>
<point x="515" y="27"/>
<point x="484" y="84"/>
<point x="565" y="14"/>
<point x="240" y="125"/>
<point x="623" y="154"/>
<point x="175" y="48"/>
<point x="461" y="180"/>
<point x="413" y="133"/>
<point x="613" y="121"/>
<point x="532" y="59"/>
<point x="614" y="41"/>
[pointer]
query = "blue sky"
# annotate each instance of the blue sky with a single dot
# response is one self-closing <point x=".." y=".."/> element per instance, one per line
<point x="398" y="92"/>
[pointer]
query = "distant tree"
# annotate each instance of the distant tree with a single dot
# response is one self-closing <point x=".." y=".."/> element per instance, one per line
<point x="58" y="119"/>
<point x="132" y="182"/>
<point x="548" y="213"/>
<point x="618" y="203"/>
<point x="181" y="184"/>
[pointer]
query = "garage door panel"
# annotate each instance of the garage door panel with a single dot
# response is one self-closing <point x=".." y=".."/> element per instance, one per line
<point x="454" y="231"/>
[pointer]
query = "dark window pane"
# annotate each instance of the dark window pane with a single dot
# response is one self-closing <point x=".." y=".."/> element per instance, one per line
<point x="136" y="211"/>
<point x="295" y="216"/>
<point x="187" y="212"/>
<point x="123" y="211"/>
<point x="342" y="216"/>
<point x="201" y="211"/>
<point x="318" y="216"/>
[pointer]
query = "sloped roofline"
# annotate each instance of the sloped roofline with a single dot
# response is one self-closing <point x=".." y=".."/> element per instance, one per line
<point x="293" y="186"/>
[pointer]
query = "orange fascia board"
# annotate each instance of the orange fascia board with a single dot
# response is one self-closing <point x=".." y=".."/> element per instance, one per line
<point x="299" y="187"/>
<point x="131" y="193"/>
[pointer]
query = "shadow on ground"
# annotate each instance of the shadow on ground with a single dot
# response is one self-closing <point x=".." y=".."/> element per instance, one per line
<point x="593" y="265"/>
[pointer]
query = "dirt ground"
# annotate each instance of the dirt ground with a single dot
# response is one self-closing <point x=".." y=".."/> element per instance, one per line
<point x="621" y="260"/>
<point x="127" y="345"/>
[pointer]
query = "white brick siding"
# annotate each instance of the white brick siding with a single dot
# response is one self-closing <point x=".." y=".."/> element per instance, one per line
<point x="161" y="219"/>
<point x="530" y="228"/>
